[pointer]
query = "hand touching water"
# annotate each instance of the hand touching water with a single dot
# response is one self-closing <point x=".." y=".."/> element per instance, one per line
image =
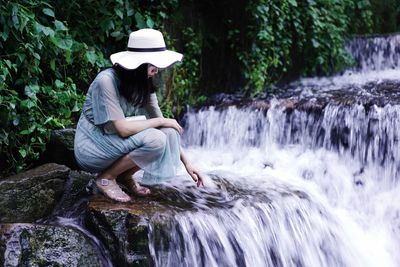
<point x="195" y="174"/>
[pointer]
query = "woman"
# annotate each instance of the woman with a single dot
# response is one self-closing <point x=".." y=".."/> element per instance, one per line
<point x="110" y="142"/>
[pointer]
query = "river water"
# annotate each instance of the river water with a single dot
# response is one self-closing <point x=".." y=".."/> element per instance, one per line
<point x="297" y="188"/>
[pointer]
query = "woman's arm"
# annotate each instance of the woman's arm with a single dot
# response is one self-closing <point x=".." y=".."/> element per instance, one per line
<point x="126" y="128"/>
<point x="193" y="172"/>
<point x="152" y="108"/>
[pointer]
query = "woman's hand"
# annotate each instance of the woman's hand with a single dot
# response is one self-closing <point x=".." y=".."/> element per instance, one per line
<point x="171" y="123"/>
<point x="195" y="174"/>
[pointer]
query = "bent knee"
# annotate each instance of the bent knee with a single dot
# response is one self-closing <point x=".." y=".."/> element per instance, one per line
<point x="155" y="140"/>
<point x="171" y="133"/>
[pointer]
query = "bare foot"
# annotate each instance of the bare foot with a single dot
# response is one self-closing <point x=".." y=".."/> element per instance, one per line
<point x="134" y="187"/>
<point x="112" y="190"/>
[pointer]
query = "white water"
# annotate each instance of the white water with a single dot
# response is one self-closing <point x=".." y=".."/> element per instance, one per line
<point x="285" y="190"/>
<point x="376" y="59"/>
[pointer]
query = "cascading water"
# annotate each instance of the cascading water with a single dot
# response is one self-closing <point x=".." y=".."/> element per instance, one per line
<point x="293" y="187"/>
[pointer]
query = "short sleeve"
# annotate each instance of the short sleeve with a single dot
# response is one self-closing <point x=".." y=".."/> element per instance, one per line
<point x="105" y="101"/>
<point x="152" y="108"/>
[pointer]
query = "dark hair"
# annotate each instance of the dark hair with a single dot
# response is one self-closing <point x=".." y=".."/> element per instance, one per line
<point x="135" y="86"/>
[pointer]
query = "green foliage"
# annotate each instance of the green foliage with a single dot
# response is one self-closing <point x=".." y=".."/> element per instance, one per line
<point x="106" y="24"/>
<point x="361" y="16"/>
<point x="287" y="35"/>
<point x="37" y="73"/>
<point x="49" y="50"/>
<point x="187" y="75"/>
<point x="386" y="16"/>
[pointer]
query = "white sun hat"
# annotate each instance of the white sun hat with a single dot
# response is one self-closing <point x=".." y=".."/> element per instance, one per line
<point x="146" y="46"/>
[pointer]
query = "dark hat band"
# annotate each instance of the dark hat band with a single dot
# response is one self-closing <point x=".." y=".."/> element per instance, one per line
<point x="156" y="49"/>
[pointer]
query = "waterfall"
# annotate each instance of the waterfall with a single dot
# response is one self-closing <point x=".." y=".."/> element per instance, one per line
<point x="294" y="187"/>
<point x="369" y="135"/>
<point x="376" y="53"/>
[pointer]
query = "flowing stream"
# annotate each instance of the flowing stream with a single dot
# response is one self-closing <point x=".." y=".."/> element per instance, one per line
<point x="296" y="188"/>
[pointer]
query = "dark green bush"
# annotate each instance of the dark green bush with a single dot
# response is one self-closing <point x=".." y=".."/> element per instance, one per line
<point x="386" y="16"/>
<point x="37" y="81"/>
<point x="303" y="37"/>
<point x="51" y="50"/>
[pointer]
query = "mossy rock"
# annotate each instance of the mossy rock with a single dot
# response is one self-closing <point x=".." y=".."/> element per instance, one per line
<point x="123" y="228"/>
<point x="60" y="148"/>
<point x="45" y="245"/>
<point x="33" y="194"/>
<point x="75" y="194"/>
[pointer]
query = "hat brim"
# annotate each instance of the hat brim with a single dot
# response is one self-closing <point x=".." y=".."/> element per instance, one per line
<point x="132" y="60"/>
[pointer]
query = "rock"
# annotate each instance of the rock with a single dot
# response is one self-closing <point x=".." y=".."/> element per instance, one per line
<point x="45" y="245"/>
<point x="75" y="194"/>
<point x="31" y="195"/>
<point x="123" y="228"/>
<point x="60" y="148"/>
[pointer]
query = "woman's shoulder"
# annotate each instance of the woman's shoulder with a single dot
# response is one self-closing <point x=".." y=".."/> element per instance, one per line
<point x="107" y="76"/>
<point x="107" y="73"/>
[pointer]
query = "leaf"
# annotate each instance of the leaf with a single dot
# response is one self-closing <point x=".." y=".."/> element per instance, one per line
<point x="31" y="90"/>
<point x="68" y="56"/>
<point x="53" y="64"/>
<point x="59" y="84"/>
<point x="119" y="13"/>
<point x="76" y="107"/>
<point x="130" y="12"/>
<point x="115" y="34"/>
<point x="15" y="21"/>
<point x="48" y="31"/>
<point x="22" y="152"/>
<point x="127" y="22"/>
<point x="139" y="21"/>
<point x="150" y="22"/>
<point x="62" y="43"/>
<point x="28" y="104"/>
<point x="24" y="132"/>
<point x="107" y="25"/>
<point x="60" y="26"/>
<point x="32" y="128"/>
<point x="315" y="43"/>
<point x="91" y="57"/>
<point x="311" y="2"/>
<point x="36" y="55"/>
<point x="48" y="120"/>
<point x="8" y="63"/>
<point x="293" y="3"/>
<point x="48" y="12"/>
<point x="15" y="18"/>
<point x="21" y="58"/>
<point x="4" y="35"/>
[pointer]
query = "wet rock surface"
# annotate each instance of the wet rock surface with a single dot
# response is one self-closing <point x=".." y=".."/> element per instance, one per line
<point x="31" y="195"/>
<point x="75" y="193"/>
<point x="123" y="227"/>
<point x="311" y="97"/>
<point x="45" y="245"/>
<point x="60" y="148"/>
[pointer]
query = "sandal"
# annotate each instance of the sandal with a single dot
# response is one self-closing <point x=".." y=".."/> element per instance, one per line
<point x="112" y="190"/>
<point x="134" y="187"/>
